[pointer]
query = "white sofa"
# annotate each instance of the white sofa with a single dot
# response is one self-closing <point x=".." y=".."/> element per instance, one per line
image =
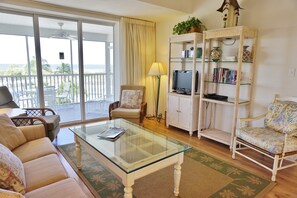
<point x="34" y="159"/>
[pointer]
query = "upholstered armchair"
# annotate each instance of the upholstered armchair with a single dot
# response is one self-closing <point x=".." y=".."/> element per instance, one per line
<point x="277" y="139"/>
<point x="131" y="105"/>
<point x="46" y="116"/>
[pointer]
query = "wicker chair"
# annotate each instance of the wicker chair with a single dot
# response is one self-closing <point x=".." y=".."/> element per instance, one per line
<point x="45" y="116"/>
<point x="131" y="105"/>
<point x="277" y="139"/>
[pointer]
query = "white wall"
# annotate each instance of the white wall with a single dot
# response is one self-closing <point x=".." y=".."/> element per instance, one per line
<point x="276" y="22"/>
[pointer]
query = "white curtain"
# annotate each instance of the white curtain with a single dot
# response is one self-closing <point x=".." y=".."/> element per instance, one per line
<point x="138" y="51"/>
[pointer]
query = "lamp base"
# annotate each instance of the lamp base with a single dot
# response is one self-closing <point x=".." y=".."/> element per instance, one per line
<point x="159" y="117"/>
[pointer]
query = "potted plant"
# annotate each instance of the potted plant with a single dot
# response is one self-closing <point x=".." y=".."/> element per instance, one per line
<point x="192" y="24"/>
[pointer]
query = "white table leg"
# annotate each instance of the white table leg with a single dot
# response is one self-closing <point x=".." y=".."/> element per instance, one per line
<point x="128" y="182"/>
<point x="177" y="173"/>
<point x="128" y="192"/>
<point x="78" y="152"/>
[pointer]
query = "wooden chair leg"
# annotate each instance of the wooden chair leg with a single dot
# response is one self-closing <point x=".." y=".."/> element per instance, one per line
<point x="234" y="148"/>
<point x="275" y="166"/>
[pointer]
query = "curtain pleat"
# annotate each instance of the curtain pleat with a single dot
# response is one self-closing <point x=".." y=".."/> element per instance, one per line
<point x="138" y="53"/>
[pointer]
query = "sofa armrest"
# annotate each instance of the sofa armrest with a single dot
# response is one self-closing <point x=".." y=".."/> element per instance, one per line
<point x="27" y="121"/>
<point x="33" y="132"/>
<point x="113" y="106"/>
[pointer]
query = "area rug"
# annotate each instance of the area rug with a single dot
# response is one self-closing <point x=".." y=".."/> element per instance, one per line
<point x="202" y="176"/>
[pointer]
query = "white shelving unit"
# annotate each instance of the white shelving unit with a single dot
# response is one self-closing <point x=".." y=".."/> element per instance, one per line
<point x="182" y="110"/>
<point x="216" y="115"/>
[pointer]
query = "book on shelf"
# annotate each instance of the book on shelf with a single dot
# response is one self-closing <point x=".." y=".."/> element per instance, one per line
<point x="224" y="75"/>
<point x="111" y="133"/>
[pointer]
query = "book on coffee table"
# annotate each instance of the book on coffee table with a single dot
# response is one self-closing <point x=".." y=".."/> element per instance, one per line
<point x="111" y="133"/>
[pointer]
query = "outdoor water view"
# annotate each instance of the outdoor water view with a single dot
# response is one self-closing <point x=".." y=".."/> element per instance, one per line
<point x="60" y="75"/>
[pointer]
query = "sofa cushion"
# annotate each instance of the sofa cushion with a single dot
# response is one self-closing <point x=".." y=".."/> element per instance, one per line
<point x="33" y="132"/>
<point x="10" y="135"/>
<point x="10" y="194"/>
<point x="125" y="113"/>
<point x="43" y="171"/>
<point x="35" y="149"/>
<point x="131" y="99"/>
<point x="12" y="176"/>
<point x="67" y="188"/>
<point x="267" y="139"/>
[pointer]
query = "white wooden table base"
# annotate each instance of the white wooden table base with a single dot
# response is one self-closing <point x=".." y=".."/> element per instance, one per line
<point x="128" y="179"/>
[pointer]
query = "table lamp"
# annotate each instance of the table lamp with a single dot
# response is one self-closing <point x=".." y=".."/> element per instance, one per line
<point x="156" y="70"/>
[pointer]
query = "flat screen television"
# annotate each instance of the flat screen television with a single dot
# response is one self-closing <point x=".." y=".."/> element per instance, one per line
<point x="182" y="81"/>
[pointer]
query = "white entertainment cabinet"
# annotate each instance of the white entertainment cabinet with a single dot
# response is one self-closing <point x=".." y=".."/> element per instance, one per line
<point x="182" y="109"/>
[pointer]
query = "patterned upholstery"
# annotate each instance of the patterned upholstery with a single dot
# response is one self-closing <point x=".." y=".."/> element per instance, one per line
<point x="282" y="117"/>
<point x="267" y="139"/>
<point x="132" y="105"/>
<point x="277" y="139"/>
<point x="131" y="99"/>
<point x="12" y="175"/>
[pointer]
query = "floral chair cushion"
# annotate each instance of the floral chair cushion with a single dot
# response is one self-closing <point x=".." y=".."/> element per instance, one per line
<point x="131" y="99"/>
<point x="282" y="117"/>
<point x="12" y="175"/>
<point x="267" y="139"/>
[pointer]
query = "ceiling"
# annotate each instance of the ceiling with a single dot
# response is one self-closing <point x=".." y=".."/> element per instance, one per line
<point x="154" y="10"/>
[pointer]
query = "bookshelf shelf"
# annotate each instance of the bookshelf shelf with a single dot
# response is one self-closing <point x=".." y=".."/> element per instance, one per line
<point x="241" y="83"/>
<point x="179" y="59"/>
<point x="217" y="135"/>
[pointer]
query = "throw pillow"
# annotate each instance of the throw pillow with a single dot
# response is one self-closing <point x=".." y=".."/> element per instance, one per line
<point x="131" y="99"/>
<point x="12" y="175"/>
<point x="10" y="194"/>
<point x="10" y="135"/>
<point x="282" y="117"/>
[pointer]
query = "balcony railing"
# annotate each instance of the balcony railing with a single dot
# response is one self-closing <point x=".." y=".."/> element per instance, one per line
<point x="96" y="86"/>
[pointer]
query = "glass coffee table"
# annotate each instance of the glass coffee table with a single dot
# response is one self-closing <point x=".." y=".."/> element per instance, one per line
<point x="135" y="153"/>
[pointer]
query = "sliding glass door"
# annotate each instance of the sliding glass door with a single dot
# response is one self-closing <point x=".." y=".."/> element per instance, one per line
<point x="17" y="58"/>
<point x="98" y="69"/>
<point x="73" y="76"/>
<point x="59" y="55"/>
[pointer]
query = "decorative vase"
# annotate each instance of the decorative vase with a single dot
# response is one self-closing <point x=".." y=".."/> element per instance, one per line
<point x="216" y="54"/>
<point x="246" y="54"/>
<point x="198" y="52"/>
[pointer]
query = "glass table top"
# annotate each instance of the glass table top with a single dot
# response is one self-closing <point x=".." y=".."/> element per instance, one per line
<point x="134" y="149"/>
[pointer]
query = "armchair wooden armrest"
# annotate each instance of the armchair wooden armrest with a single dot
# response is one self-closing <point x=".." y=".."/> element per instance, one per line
<point x="244" y="120"/>
<point x="143" y="111"/>
<point x="27" y="121"/>
<point x="113" y="106"/>
<point x="39" y="111"/>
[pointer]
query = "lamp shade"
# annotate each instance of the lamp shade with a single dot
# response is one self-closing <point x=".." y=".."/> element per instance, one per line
<point x="156" y="69"/>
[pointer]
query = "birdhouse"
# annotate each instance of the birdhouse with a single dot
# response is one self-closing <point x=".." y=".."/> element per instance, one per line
<point x="230" y="13"/>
